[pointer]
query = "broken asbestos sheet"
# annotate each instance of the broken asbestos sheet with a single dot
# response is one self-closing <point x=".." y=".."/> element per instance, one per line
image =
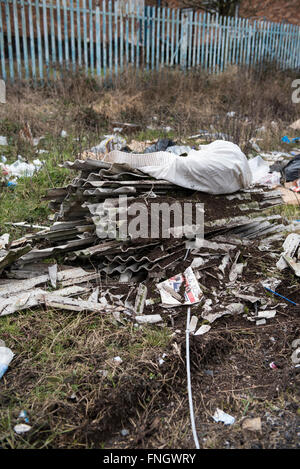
<point x="291" y="254"/>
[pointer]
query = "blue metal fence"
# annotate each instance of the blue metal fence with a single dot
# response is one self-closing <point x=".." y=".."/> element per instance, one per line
<point x="43" y="39"/>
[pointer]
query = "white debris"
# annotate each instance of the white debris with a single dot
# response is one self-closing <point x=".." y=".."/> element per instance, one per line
<point x="4" y="240"/>
<point x="52" y="270"/>
<point x="22" y="169"/>
<point x="6" y="356"/>
<point x="290" y="246"/>
<point x="22" y="428"/>
<point x="3" y="140"/>
<point x="203" y="329"/>
<point x="261" y="322"/>
<point x="267" y="314"/>
<point x="148" y="319"/>
<point x="193" y="324"/>
<point x="221" y="416"/>
<point x="118" y="360"/>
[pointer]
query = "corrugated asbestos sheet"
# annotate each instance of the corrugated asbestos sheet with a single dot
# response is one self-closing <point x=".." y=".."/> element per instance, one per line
<point x="84" y="208"/>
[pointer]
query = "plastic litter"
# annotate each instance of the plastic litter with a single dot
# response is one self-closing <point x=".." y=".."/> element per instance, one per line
<point x="3" y="140"/>
<point x="179" y="150"/>
<point x="261" y="172"/>
<point x="22" y="428"/>
<point x="286" y="139"/>
<point x="110" y="142"/>
<point x="161" y="145"/>
<point x="217" y="168"/>
<point x="221" y="416"/>
<point x="23" y="415"/>
<point x="6" y="356"/>
<point x="21" y="169"/>
<point x="292" y="170"/>
<point x="118" y="360"/>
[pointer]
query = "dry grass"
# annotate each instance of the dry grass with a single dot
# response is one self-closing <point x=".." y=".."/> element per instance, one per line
<point x="187" y="103"/>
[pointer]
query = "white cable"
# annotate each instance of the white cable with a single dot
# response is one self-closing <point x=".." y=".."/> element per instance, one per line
<point x="188" y="372"/>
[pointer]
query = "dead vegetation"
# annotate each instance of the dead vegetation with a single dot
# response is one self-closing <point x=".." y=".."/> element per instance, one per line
<point x="186" y="103"/>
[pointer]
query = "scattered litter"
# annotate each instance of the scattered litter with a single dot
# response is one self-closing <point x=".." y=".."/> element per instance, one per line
<point x="6" y="356"/>
<point x="273" y="366"/>
<point x="221" y="416"/>
<point x="296" y="353"/>
<point x="203" y="329"/>
<point x="148" y="319"/>
<point x="109" y="143"/>
<point x="295" y="125"/>
<point x="170" y="289"/>
<point x="292" y="170"/>
<point x="161" y="360"/>
<point x="124" y="432"/>
<point x="4" y="240"/>
<point x="63" y="134"/>
<point x="266" y="314"/>
<point x="20" y="168"/>
<point x="261" y="322"/>
<point x="179" y="150"/>
<point x="118" y="360"/>
<point x="3" y="140"/>
<point x="23" y="415"/>
<point x="253" y="425"/>
<point x="140" y="299"/>
<point x="22" y="428"/>
<point x="53" y="275"/>
<point x="286" y="139"/>
<point x="193" y="324"/>
<point x="254" y="145"/>
<point x="161" y="145"/>
<point x="290" y="246"/>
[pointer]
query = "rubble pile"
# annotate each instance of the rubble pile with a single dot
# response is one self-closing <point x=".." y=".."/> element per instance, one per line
<point x="134" y="276"/>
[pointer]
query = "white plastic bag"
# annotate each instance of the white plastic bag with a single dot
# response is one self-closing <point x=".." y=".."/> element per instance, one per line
<point x="6" y="356"/>
<point x="218" y="168"/>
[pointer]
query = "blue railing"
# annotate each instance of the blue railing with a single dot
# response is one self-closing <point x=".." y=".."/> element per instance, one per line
<point x="43" y="39"/>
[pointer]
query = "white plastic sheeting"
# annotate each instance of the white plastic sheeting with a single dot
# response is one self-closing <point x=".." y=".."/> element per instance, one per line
<point x="217" y="168"/>
<point x="261" y="174"/>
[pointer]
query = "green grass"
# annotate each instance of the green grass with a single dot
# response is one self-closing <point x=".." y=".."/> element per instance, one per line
<point x="24" y="202"/>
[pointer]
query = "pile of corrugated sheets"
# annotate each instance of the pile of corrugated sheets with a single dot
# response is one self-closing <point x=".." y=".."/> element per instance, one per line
<point x="97" y="188"/>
